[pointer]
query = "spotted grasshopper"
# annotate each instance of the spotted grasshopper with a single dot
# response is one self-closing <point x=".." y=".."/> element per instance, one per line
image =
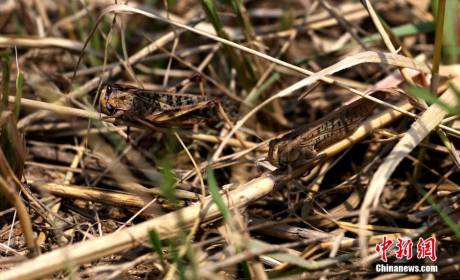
<point x="157" y="108"/>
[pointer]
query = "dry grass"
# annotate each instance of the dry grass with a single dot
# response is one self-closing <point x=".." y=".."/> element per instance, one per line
<point x="101" y="198"/>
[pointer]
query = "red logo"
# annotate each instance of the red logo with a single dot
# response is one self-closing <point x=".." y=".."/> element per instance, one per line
<point x="426" y="248"/>
<point x="404" y="249"/>
<point x="383" y="247"/>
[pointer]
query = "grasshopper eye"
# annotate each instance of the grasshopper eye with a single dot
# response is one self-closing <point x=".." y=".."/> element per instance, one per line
<point x="108" y="91"/>
<point x="109" y="108"/>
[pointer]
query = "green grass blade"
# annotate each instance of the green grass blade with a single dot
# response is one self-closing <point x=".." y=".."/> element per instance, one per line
<point x="177" y="260"/>
<point x="169" y="180"/>
<point x="254" y="95"/>
<point x="243" y="20"/>
<point x="449" y="40"/>
<point x="156" y="244"/>
<point x="438" y="36"/>
<point x="430" y="98"/>
<point x="167" y="187"/>
<point x="219" y="201"/>
<point x="404" y="30"/>
<point x="242" y="66"/>
<point x="5" y="79"/>
<point x="19" y="87"/>
<point x="211" y="13"/>
<point x="216" y="197"/>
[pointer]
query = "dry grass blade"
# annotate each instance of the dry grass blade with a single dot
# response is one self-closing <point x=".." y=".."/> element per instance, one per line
<point x="10" y="170"/>
<point x="93" y="194"/>
<point x="385" y="36"/>
<point x="58" y="109"/>
<point x="47" y="42"/>
<point x="13" y="142"/>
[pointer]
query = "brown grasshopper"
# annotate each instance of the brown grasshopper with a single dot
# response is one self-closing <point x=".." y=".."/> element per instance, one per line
<point x="156" y="108"/>
<point x="303" y="145"/>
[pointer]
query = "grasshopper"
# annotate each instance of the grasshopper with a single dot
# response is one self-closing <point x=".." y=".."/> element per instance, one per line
<point x="156" y="108"/>
<point x="303" y="145"/>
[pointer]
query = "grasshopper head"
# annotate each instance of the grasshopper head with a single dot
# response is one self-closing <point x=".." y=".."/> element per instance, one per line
<point x="105" y="102"/>
<point x="114" y="99"/>
<point x="281" y="153"/>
